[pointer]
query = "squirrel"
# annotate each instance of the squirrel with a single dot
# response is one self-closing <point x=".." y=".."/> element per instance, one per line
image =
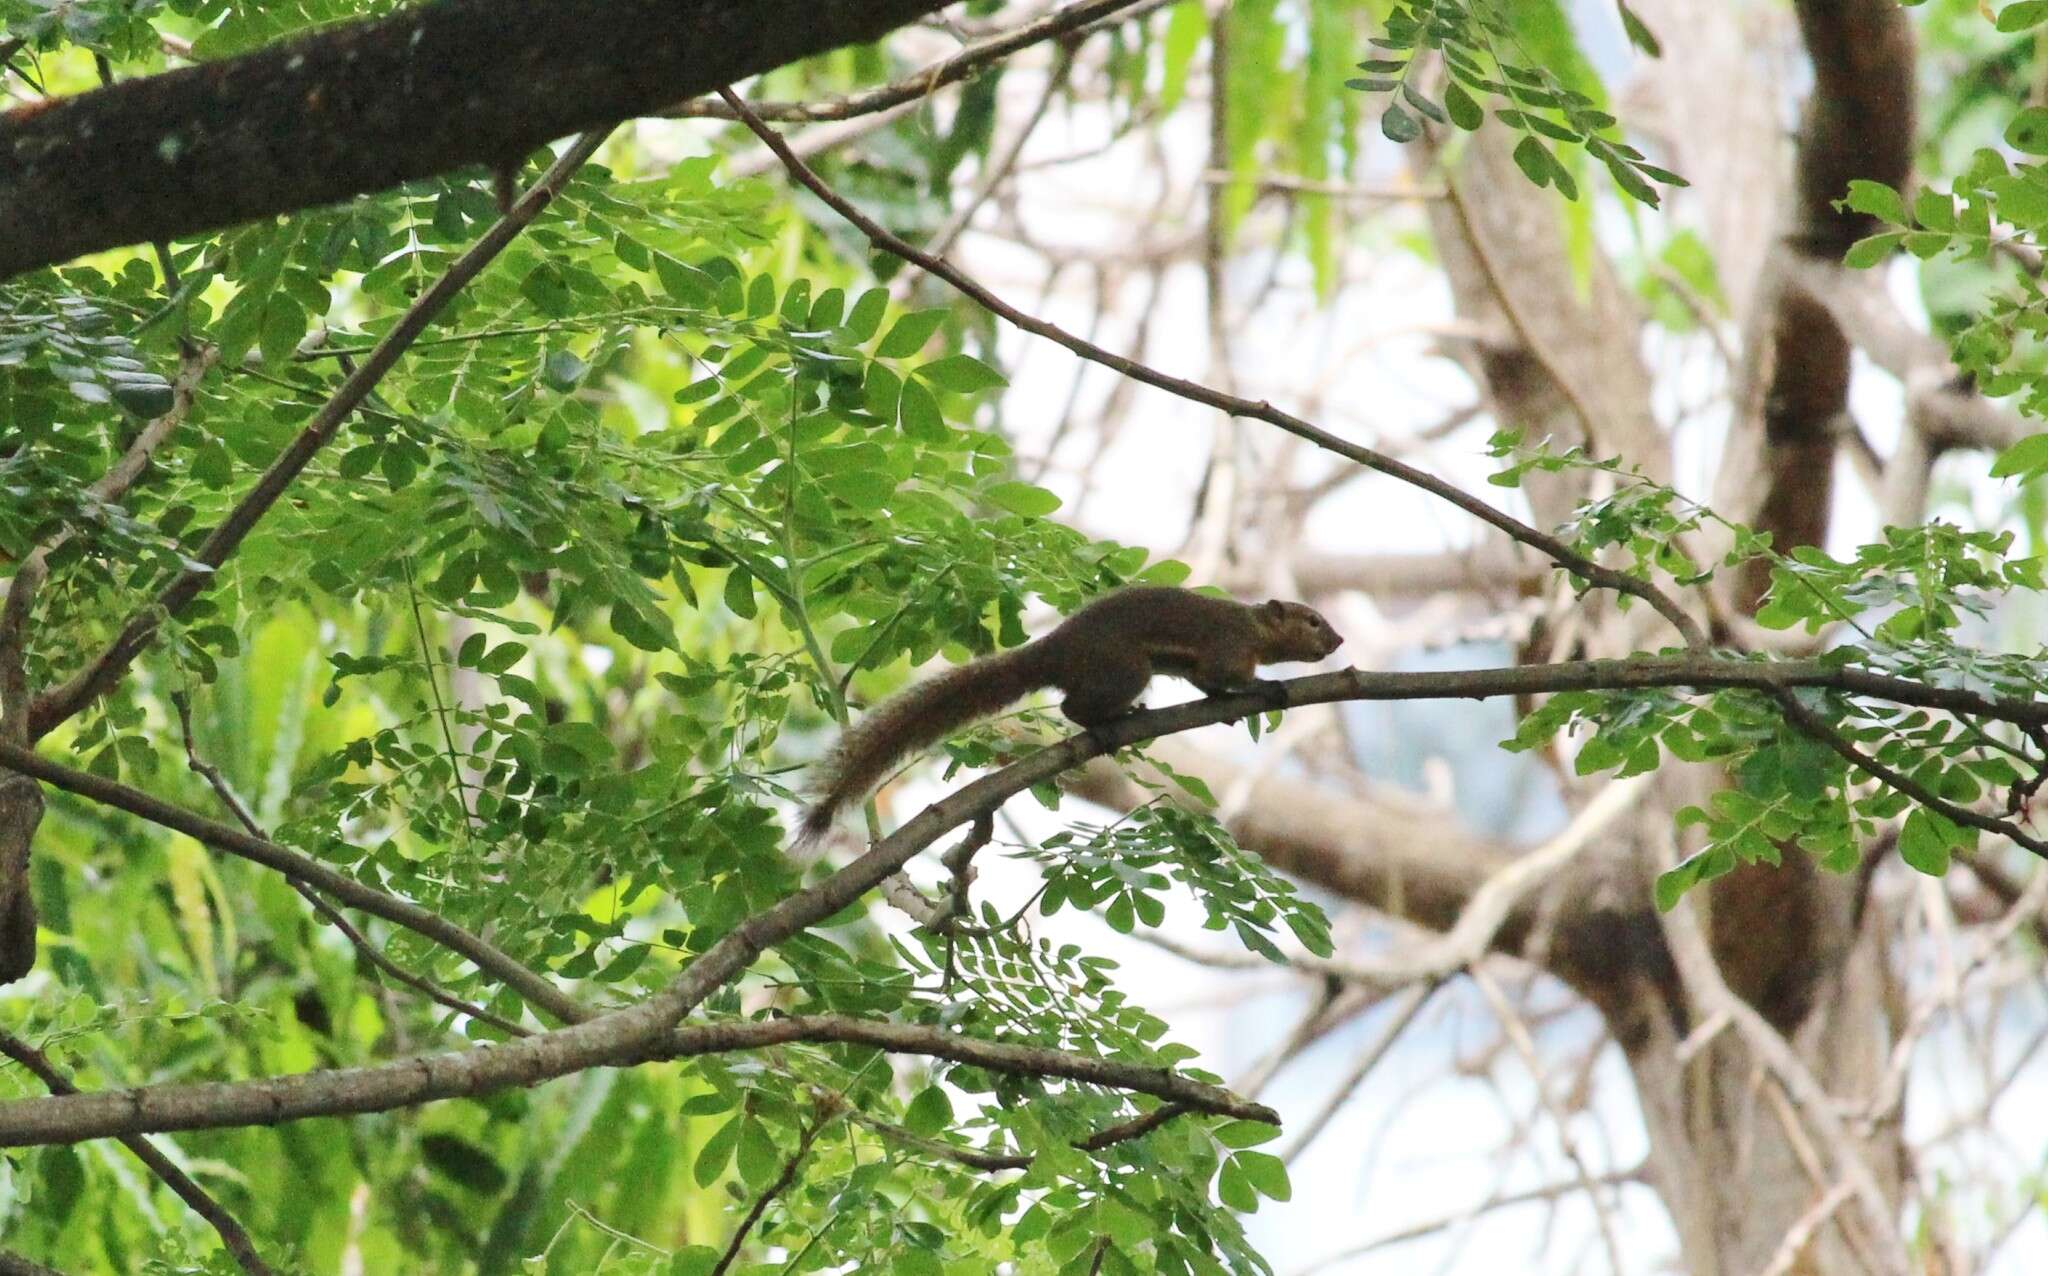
<point x="1101" y="657"/>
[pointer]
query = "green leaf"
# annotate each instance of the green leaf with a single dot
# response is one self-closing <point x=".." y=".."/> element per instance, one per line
<point x="1022" y="498"/>
<point x="866" y="316"/>
<point x="1234" y="1189"/>
<point x="1245" y="1134"/>
<point x="1926" y="838"/>
<point x="1464" y="112"/>
<point x="1873" y="251"/>
<point x="502" y="657"/>
<point x="1533" y="160"/>
<point x="910" y="333"/>
<point x="2023" y="459"/>
<point x="920" y="415"/>
<point x="930" y="1113"/>
<point x="867" y="489"/>
<point x="1266" y="1173"/>
<point x="961" y="374"/>
<point x="1398" y="125"/>
<point x="717" y="1151"/>
<point x="759" y="1160"/>
<point x="1639" y="34"/>
<point x="2028" y="131"/>
<point x="1876" y="199"/>
<point x="739" y="593"/>
<point x="2022" y="15"/>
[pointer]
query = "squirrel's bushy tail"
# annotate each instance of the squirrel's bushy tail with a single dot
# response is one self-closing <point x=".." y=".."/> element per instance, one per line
<point x="916" y="717"/>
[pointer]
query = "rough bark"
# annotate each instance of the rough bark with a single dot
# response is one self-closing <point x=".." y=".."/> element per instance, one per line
<point x="366" y="106"/>
<point x="1727" y="1154"/>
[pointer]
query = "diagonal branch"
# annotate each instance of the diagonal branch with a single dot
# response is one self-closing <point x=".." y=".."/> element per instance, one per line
<point x="1235" y="405"/>
<point x="304" y="870"/>
<point x="201" y="1202"/>
<point x="99" y="676"/>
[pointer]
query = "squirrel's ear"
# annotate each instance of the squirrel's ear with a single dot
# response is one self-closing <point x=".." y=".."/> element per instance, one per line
<point x="1275" y="608"/>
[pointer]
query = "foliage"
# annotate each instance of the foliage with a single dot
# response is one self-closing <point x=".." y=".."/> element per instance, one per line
<point x="1483" y="47"/>
<point x="1903" y="604"/>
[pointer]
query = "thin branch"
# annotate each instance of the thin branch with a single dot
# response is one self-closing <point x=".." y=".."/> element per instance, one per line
<point x="1444" y="1222"/>
<point x="364" y="948"/>
<point x="885" y="240"/>
<point x="928" y="80"/>
<point x="305" y="869"/>
<point x="773" y="1190"/>
<point x="1517" y="1033"/>
<point x="973" y="1159"/>
<point x="1809" y="722"/>
<point x="1403" y="1015"/>
<point x="99" y="676"/>
<point x="108" y="489"/>
<point x="195" y="1197"/>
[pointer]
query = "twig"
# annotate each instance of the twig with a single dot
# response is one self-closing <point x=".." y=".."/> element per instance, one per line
<point x="775" y="1189"/>
<point x="1404" y="1014"/>
<point x="973" y="1159"/>
<point x="1517" y="1033"/>
<point x="1235" y="405"/>
<point x="1444" y="1222"/>
<point x="928" y="80"/>
<point x="368" y="951"/>
<point x="195" y="1197"/>
<point x="1800" y="1234"/>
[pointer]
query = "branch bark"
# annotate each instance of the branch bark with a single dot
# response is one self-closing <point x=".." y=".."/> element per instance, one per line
<point x="340" y="113"/>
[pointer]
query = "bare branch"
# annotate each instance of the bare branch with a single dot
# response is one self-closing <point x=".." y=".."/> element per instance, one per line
<point x="926" y="81"/>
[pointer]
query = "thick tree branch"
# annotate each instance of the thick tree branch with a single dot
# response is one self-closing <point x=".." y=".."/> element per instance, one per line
<point x="340" y="113"/>
<point x="232" y="1235"/>
<point x="99" y="676"/>
<point x="887" y="241"/>
<point x="74" y="1118"/>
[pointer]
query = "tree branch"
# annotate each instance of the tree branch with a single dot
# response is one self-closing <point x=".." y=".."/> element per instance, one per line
<point x="604" y="1042"/>
<point x="304" y="869"/>
<point x="338" y="113"/>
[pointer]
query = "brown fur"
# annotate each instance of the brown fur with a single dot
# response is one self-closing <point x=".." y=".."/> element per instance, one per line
<point x="1100" y="658"/>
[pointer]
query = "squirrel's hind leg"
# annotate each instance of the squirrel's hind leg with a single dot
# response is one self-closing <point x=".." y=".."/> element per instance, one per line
<point x="1106" y="691"/>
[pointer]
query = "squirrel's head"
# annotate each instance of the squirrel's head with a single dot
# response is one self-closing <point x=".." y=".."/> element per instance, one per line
<point x="1299" y="631"/>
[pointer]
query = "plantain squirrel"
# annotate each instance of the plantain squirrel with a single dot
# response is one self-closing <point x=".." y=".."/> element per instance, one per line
<point x="1101" y="657"/>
